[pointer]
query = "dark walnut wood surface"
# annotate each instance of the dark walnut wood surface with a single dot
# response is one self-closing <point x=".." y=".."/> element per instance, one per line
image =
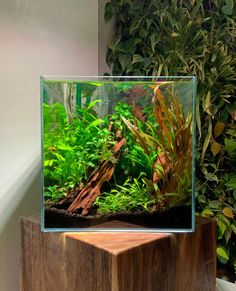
<point x="118" y="261"/>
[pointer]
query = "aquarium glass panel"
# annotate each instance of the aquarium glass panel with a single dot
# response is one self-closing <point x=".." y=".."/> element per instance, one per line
<point x="118" y="153"/>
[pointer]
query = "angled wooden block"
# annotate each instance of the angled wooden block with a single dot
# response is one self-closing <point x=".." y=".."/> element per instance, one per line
<point x="118" y="261"/>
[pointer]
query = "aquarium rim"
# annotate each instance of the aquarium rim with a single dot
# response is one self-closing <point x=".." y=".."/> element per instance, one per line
<point x="133" y="230"/>
<point x="75" y="78"/>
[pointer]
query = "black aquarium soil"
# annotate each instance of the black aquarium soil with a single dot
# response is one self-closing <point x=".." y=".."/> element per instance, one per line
<point x="174" y="218"/>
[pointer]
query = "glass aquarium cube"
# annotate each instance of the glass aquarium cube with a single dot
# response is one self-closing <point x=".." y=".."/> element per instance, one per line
<point x="118" y="153"/>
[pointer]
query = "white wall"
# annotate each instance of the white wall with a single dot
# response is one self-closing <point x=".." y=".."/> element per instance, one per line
<point x="57" y="37"/>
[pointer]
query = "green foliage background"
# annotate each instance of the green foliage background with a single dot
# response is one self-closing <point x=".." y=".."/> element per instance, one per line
<point x="191" y="37"/>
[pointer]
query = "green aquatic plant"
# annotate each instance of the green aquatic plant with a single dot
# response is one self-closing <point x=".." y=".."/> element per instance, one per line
<point x="133" y="159"/>
<point x="133" y="195"/>
<point x="87" y="155"/>
<point x="72" y="150"/>
<point x="55" y="193"/>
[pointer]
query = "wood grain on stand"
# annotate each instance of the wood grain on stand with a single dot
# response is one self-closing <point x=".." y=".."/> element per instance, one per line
<point x="117" y="261"/>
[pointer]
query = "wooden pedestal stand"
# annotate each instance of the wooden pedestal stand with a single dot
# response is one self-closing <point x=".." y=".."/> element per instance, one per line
<point x="117" y="261"/>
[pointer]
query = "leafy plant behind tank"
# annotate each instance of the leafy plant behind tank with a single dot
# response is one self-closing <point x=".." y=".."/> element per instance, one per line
<point x="134" y="159"/>
<point x="172" y="37"/>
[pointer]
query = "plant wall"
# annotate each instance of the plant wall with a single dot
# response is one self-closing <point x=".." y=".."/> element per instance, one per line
<point x="191" y="37"/>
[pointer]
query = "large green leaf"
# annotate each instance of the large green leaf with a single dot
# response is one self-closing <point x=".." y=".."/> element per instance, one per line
<point x="231" y="183"/>
<point x="108" y="11"/>
<point x="230" y="145"/>
<point x="227" y="9"/>
<point x="222" y="254"/>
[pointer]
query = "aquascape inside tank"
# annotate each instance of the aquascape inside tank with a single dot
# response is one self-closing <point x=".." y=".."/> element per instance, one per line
<point x="118" y="153"/>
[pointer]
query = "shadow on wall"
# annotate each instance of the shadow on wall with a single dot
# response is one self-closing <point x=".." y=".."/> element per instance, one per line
<point x="16" y="185"/>
<point x="28" y="188"/>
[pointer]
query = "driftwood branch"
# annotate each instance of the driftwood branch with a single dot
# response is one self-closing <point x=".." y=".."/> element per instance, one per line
<point x="103" y="173"/>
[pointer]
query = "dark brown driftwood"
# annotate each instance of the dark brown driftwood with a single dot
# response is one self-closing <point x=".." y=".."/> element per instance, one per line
<point x="103" y="173"/>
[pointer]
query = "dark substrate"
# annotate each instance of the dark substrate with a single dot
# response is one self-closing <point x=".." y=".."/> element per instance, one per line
<point x="174" y="218"/>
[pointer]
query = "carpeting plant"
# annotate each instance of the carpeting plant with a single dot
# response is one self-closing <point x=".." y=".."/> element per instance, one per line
<point x="133" y="195"/>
